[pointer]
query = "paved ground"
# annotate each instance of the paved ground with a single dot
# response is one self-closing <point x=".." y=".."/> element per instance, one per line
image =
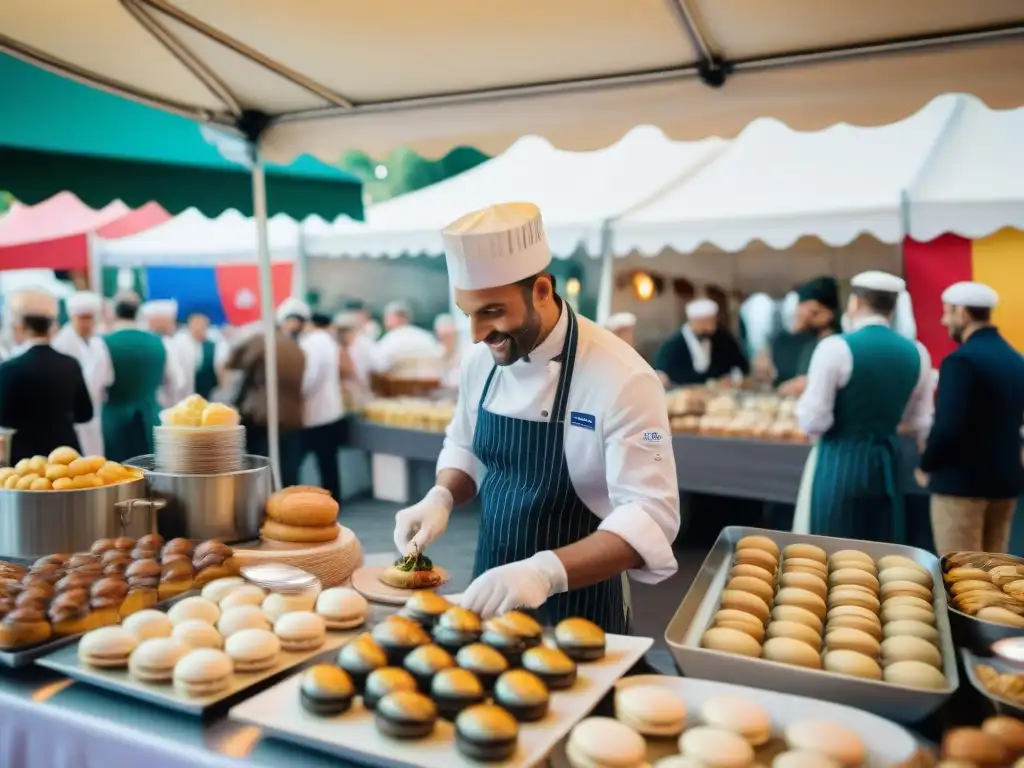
<point x="373" y="522"/>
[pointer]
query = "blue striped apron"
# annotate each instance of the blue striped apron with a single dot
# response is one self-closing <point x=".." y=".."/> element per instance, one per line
<point x="529" y="504"/>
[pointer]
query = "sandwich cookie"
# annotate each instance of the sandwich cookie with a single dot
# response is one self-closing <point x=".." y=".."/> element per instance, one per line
<point x="246" y="594"/>
<point x="742" y="717"/>
<point x="342" y="608"/>
<point x="218" y="589"/>
<point x="425" y="662"/>
<point x="384" y="681"/>
<point x="797" y="614"/>
<point x="504" y="641"/>
<point x="405" y="715"/>
<point x="805" y="565"/>
<point x="759" y="542"/>
<point x="746" y="602"/>
<point x="154" y="659"/>
<point x="910" y="648"/>
<point x="717" y="747"/>
<point x="552" y="666"/>
<point x="484" y="662"/>
<point x="834" y="741"/>
<point x="425" y="608"/>
<point x="277" y="604"/>
<point x="253" y="650"/>
<point x="326" y="690"/>
<point x="457" y="628"/>
<point x="753" y="571"/>
<point x="899" y="561"/>
<point x="523" y="694"/>
<point x="730" y="641"/>
<point x="797" y="631"/>
<point x="844" y="638"/>
<point x="805" y="552"/>
<point x="846" y="662"/>
<point x="197" y="634"/>
<point x="651" y="710"/>
<point x="914" y="674"/>
<point x="194" y="609"/>
<point x="913" y="575"/>
<point x="454" y="690"/>
<point x="757" y="557"/>
<point x="790" y="651"/>
<point x="753" y="586"/>
<point x="148" y="624"/>
<point x="360" y="657"/>
<point x="202" y="672"/>
<point x="107" y="647"/>
<point x="527" y="628"/>
<point x="846" y="577"/>
<point x="399" y="637"/>
<point x="242" y="617"/>
<point x="744" y="622"/>
<point x="580" y="639"/>
<point x="601" y="742"/>
<point x="912" y="628"/>
<point x="801" y="598"/>
<point x="300" y="631"/>
<point x="486" y="733"/>
<point x="808" y="581"/>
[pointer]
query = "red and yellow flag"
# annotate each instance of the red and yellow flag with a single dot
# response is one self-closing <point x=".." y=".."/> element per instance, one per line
<point x="996" y="260"/>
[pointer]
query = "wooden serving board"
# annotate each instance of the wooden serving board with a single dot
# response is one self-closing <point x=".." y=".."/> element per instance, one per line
<point x="366" y="581"/>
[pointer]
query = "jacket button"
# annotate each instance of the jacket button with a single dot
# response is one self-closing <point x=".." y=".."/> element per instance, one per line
<point x="543" y="413"/>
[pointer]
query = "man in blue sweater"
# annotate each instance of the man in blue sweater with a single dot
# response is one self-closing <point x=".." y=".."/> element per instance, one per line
<point x="972" y="461"/>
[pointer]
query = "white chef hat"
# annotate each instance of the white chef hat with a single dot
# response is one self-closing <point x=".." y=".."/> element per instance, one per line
<point x="347" y="320"/>
<point x="34" y="302"/>
<point x="967" y="294"/>
<point x="444" y="322"/>
<point x="701" y="309"/>
<point x="498" y="245"/>
<point x="875" y="280"/>
<point x="619" y="321"/>
<point x="292" y="307"/>
<point x="159" y="308"/>
<point x="83" y="303"/>
<point x="398" y="307"/>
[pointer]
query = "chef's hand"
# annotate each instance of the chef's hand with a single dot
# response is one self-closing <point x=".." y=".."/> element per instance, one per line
<point x="922" y="478"/>
<point x="794" y="387"/>
<point x="419" y="526"/>
<point x="522" y="584"/>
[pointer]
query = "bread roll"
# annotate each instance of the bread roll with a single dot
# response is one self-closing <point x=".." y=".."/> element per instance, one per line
<point x="304" y="509"/>
<point x="298" y="534"/>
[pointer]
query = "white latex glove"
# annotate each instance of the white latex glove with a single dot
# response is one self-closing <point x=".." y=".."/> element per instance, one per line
<point x="522" y="584"/>
<point x="419" y="526"/>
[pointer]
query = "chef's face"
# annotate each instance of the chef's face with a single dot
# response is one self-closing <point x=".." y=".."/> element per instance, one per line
<point x="198" y="325"/>
<point x="704" y="328"/>
<point x="292" y="325"/>
<point x="956" y="320"/>
<point x="507" y="318"/>
<point x="813" y="316"/>
<point x="84" y="325"/>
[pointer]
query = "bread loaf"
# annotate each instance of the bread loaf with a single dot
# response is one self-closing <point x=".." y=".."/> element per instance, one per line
<point x="302" y="505"/>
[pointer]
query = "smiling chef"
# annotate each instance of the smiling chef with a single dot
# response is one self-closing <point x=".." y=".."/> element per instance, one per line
<point x="560" y="427"/>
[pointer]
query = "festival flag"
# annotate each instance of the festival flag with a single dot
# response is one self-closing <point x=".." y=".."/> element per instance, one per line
<point x="194" y="288"/>
<point x="238" y="286"/>
<point x="996" y="260"/>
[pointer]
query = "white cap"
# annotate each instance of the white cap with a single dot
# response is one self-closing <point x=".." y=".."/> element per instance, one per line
<point x="292" y="307"/>
<point x="874" y="280"/>
<point x="398" y="307"/>
<point x="498" y="245"/>
<point x="620" y="320"/>
<point x="160" y="308"/>
<point x="444" y="322"/>
<point x="83" y="303"/>
<point x="347" y="320"/>
<point x="34" y="302"/>
<point x="701" y="309"/>
<point x="966" y="294"/>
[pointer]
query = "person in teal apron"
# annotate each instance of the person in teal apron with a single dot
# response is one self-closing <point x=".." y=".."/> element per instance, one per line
<point x="861" y="386"/>
<point x="563" y="430"/>
<point x="206" y="369"/>
<point x="139" y="360"/>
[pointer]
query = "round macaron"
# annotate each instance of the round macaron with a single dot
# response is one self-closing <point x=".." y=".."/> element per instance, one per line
<point x="277" y="604"/>
<point x="744" y="601"/>
<point x="218" y="589"/>
<point x="754" y="571"/>
<point x="759" y="542"/>
<point x="795" y="630"/>
<point x="804" y="565"/>
<point x="805" y="552"/>
<point x="810" y="581"/>
<point x="148" y="624"/>
<point x="835" y="741"/>
<point x="342" y="608"/>
<point x="326" y="690"/>
<point x="202" y="672"/>
<point x="847" y="639"/>
<point x="757" y="557"/>
<point x="739" y="715"/>
<point x="899" y="561"/>
<point x="852" y="663"/>
<point x="651" y="710"/>
<point x="194" y="609"/>
<point x="253" y="650"/>
<point x="915" y="674"/>
<point x="798" y="614"/>
<point x="107" y="647"/>
<point x="242" y="617"/>
<point x="716" y="746"/>
<point x="790" y="651"/>
<point x="198" y="634"/>
<point x="246" y="594"/>
<point x="301" y="631"/>
<point x="753" y="586"/>
<point x="154" y="659"/>
<point x="486" y="733"/>
<point x="730" y="640"/>
<point x="602" y="741"/>
<point x="914" y="628"/>
<point x="903" y="573"/>
<point x="910" y="648"/>
<point x="845" y="577"/>
<point x="801" y="598"/>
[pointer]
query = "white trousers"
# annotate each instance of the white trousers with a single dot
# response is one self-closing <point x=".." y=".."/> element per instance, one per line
<point x="90" y="437"/>
<point x="802" y="516"/>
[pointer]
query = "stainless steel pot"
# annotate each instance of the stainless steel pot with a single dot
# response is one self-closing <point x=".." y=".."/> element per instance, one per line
<point x="6" y="439"/>
<point x="37" y="523"/>
<point x="228" y="506"/>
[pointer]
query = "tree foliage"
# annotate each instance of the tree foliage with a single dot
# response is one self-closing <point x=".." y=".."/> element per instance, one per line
<point x="407" y="171"/>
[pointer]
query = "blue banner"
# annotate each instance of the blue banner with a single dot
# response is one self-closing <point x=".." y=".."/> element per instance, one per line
<point x="194" y="288"/>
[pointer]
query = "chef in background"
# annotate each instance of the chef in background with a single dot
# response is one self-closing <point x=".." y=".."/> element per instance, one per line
<point x="322" y="408"/>
<point x="406" y="351"/>
<point x="355" y="372"/>
<point x="702" y="351"/>
<point x="161" y="317"/>
<point x="558" y="409"/>
<point x="447" y="335"/>
<point x="79" y="339"/>
<point x="356" y="340"/>
<point x="623" y="325"/>
<point x="861" y="386"/>
<point x="972" y="460"/>
<point x="201" y="357"/>
<point x="43" y="395"/>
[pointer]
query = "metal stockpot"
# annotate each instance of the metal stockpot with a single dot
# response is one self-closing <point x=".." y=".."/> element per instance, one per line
<point x="37" y="523"/>
<point x="228" y="506"/>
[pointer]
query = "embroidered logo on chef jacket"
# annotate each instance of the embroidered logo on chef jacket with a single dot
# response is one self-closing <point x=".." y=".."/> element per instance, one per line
<point x="585" y="420"/>
<point x="652" y="436"/>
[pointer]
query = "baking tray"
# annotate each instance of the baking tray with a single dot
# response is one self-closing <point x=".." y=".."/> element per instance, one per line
<point x="972" y="632"/>
<point x="67" y="663"/>
<point x="895" y="702"/>
<point x="1003" y="706"/>
<point x="354" y="736"/>
<point x="886" y="743"/>
<point x="23" y="657"/>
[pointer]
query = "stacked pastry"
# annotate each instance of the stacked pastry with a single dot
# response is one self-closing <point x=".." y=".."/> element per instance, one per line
<point x="747" y="600"/>
<point x="987" y="586"/>
<point x="653" y="724"/>
<point x="70" y="594"/>
<point x="411" y="413"/>
<point x="436" y="660"/>
<point x="301" y="514"/>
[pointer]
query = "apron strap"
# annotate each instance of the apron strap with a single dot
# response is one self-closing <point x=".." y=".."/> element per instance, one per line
<point x="487" y="386"/>
<point x="558" y="413"/>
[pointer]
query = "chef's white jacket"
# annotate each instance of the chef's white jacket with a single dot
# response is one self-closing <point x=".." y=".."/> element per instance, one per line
<point x="98" y="372"/>
<point x="623" y="467"/>
<point x="360" y="352"/>
<point x="830" y="370"/>
<point x="190" y="354"/>
<point x="321" y="379"/>
<point x="177" y="385"/>
<point x="409" y="352"/>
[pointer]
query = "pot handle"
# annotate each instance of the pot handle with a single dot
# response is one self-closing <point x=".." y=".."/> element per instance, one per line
<point x="126" y="509"/>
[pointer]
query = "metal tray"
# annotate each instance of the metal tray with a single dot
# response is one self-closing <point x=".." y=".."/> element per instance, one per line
<point x="972" y="632"/>
<point x="1003" y="707"/>
<point x="895" y="702"/>
<point x="67" y="663"/>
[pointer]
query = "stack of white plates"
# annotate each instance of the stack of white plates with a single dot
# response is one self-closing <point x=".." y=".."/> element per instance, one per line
<point x="332" y="563"/>
<point x="198" y="450"/>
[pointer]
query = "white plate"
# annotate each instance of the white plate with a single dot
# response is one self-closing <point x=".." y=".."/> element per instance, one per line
<point x="353" y="735"/>
<point x="886" y="743"/>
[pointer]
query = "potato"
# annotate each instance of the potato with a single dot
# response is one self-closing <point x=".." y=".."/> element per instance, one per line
<point x="63" y="455"/>
<point x="40" y="484"/>
<point x="23" y="467"/>
<point x="56" y="471"/>
<point x="63" y="484"/>
<point x="11" y="482"/>
<point x="37" y="464"/>
<point x="25" y="482"/>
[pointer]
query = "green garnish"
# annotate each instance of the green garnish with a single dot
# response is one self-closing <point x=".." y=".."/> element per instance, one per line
<point x="414" y="562"/>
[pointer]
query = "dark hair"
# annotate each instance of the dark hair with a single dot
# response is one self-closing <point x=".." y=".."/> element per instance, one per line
<point x="979" y="314"/>
<point x="126" y="310"/>
<point x="37" y="324"/>
<point x="320" y="320"/>
<point x="527" y="283"/>
<point x="882" y="302"/>
<point x="198" y="313"/>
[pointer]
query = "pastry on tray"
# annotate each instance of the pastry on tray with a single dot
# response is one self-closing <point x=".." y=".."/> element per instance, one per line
<point x="301" y="514"/>
<point x="415" y="571"/>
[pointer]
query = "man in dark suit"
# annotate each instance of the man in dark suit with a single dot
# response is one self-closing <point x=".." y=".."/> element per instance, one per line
<point x="42" y="392"/>
<point x="972" y="460"/>
<point x="702" y="351"/>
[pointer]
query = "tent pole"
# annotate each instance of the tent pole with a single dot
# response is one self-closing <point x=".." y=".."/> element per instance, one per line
<point x="267" y="315"/>
<point x="607" y="281"/>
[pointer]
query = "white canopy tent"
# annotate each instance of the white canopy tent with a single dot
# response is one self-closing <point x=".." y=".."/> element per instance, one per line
<point x="974" y="183"/>
<point x="777" y="185"/>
